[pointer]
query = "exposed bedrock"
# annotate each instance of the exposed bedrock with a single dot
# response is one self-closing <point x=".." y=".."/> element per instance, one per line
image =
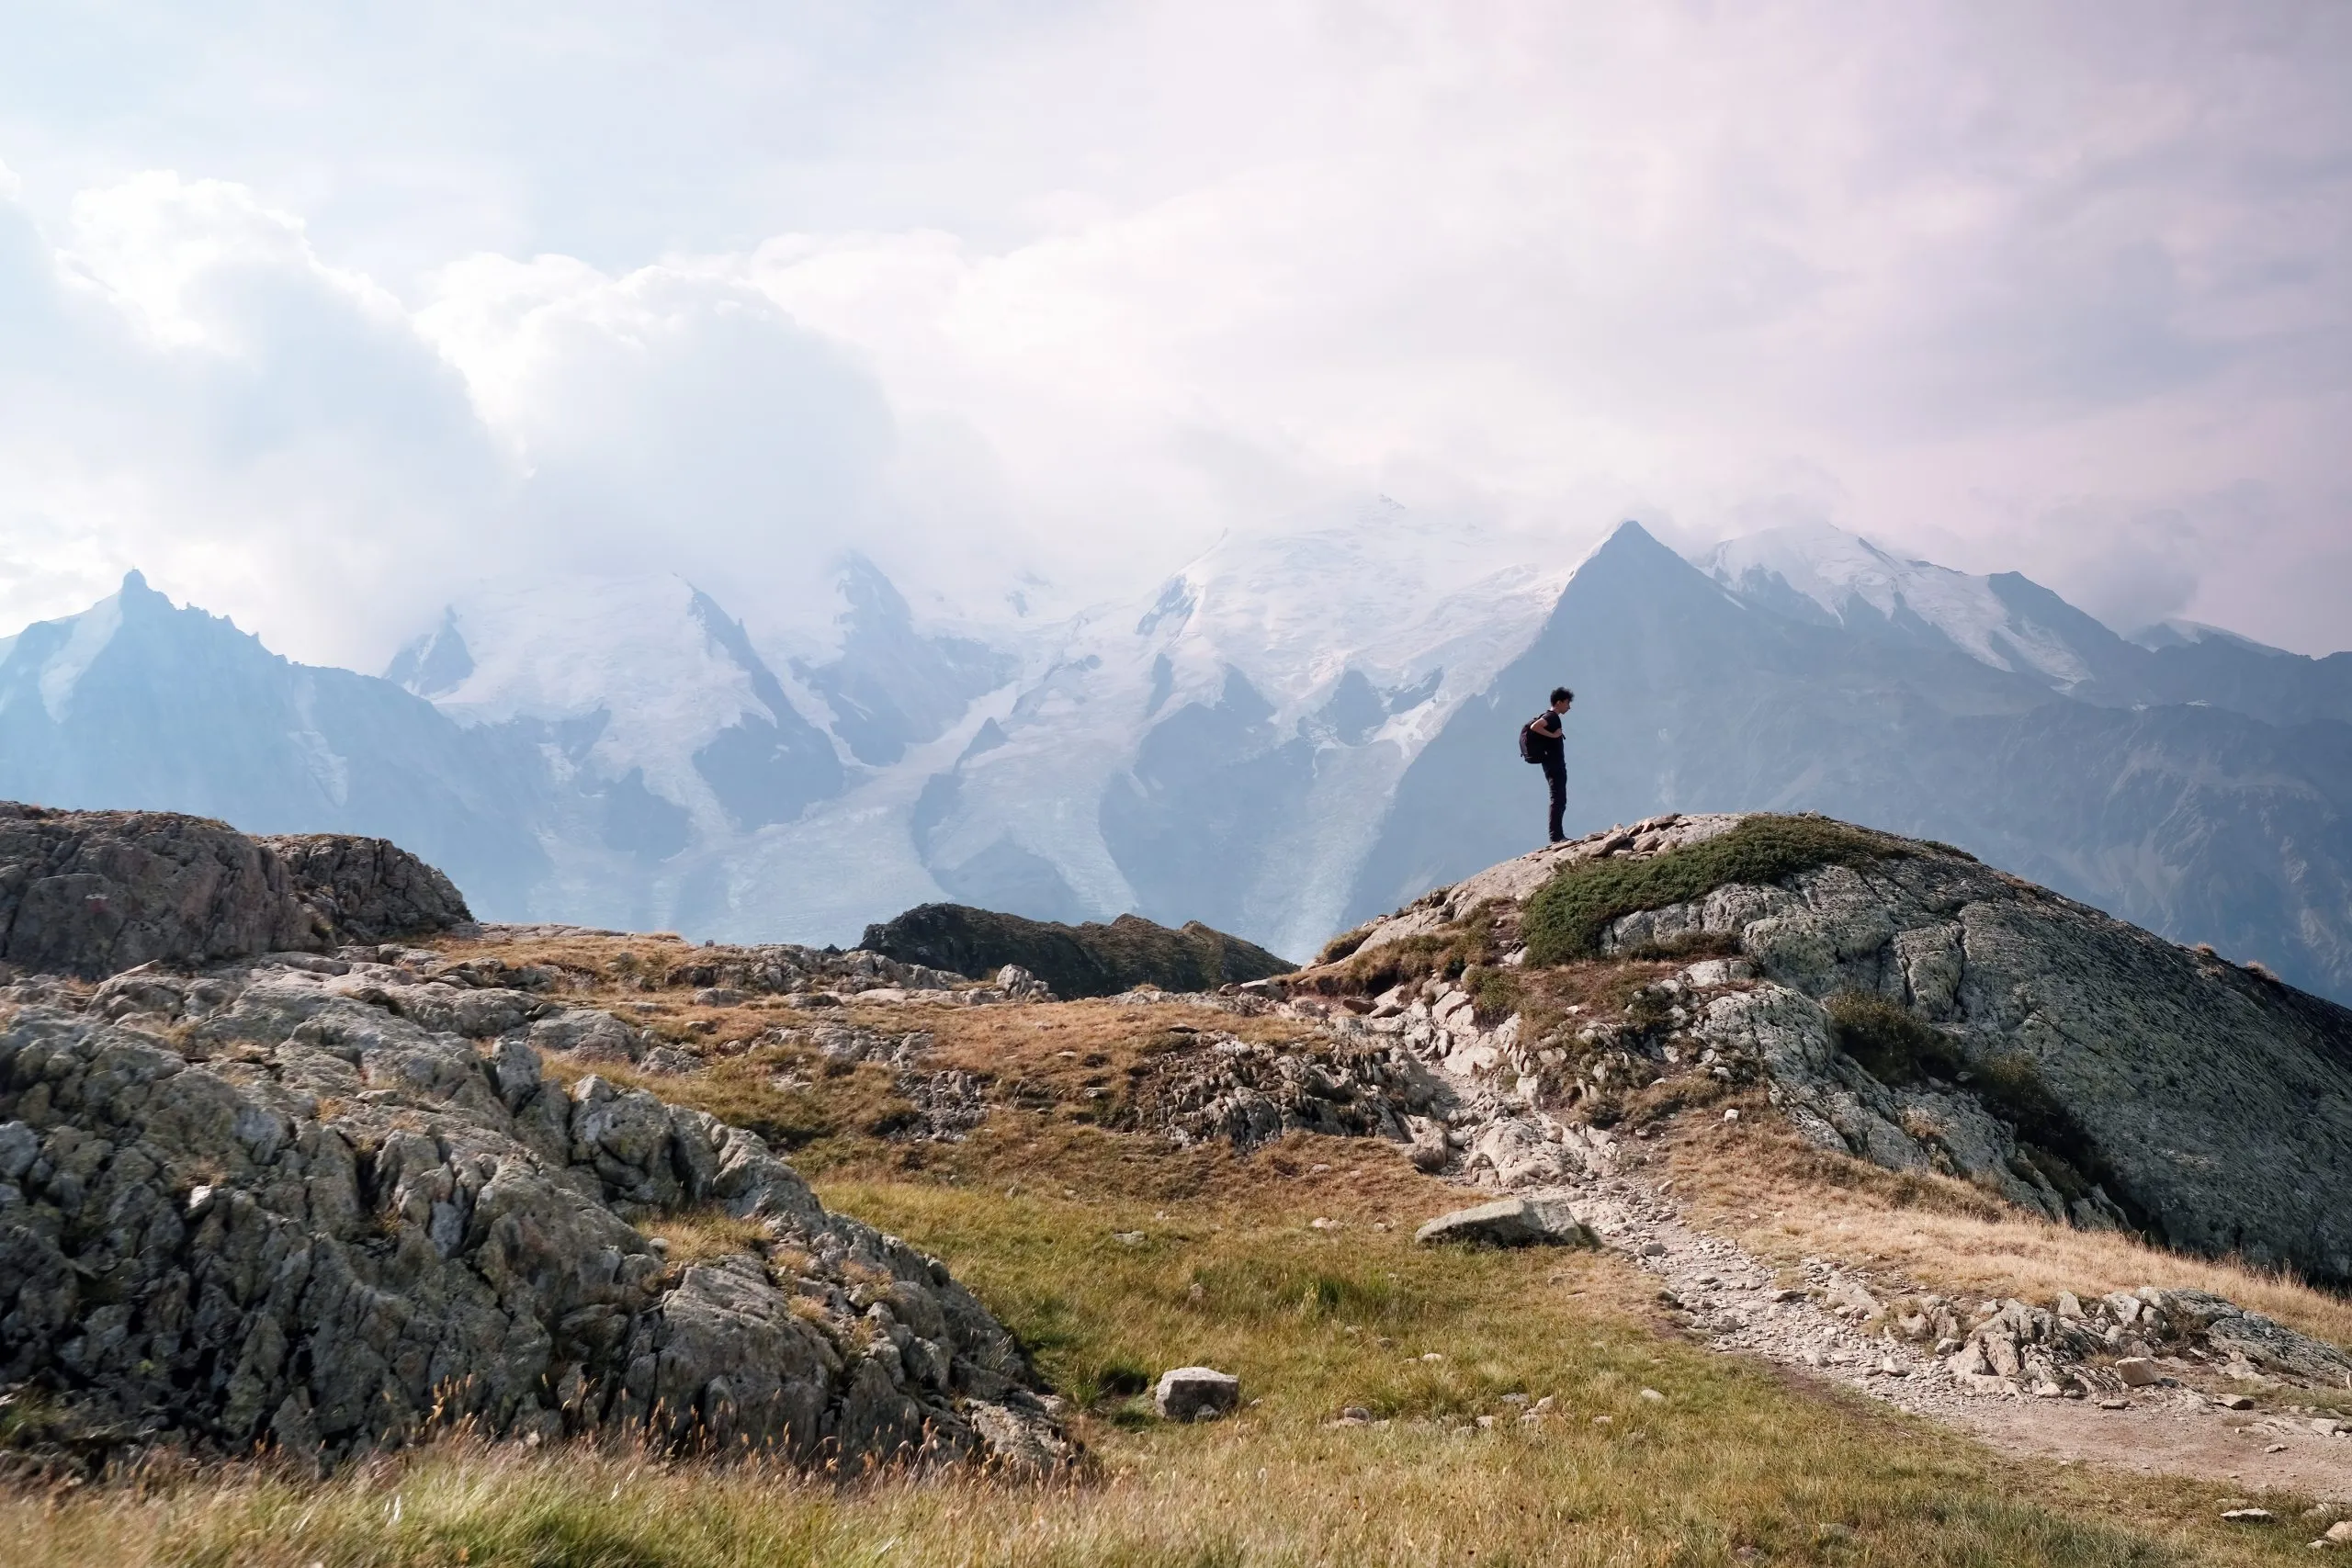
<point x="93" y="893"/>
<point x="270" y="1205"/>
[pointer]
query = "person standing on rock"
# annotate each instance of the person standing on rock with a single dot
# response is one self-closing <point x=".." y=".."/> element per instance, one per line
<point x="1542" y="741"/>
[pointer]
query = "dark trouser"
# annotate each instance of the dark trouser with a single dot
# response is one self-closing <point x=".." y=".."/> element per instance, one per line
<point x="1556" y="775"/>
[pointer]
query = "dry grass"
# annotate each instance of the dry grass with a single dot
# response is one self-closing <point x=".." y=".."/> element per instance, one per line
<point x="1784" y="1200"/>
<point x="1735" y="1464"/>
<point x="1732" y="1465"/>
<point x="699" y="1234"/>
<point x="819" y="1112"/>
<point x="601" y="956"/>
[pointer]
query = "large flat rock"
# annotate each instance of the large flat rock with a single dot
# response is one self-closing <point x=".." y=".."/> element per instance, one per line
<point x="1511" y="1222"/>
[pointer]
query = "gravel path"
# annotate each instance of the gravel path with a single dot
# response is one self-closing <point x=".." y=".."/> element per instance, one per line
<point x="1741" y="1306"/>
<point x="1824" y="1320"/>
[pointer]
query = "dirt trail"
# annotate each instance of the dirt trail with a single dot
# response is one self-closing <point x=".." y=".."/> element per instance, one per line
<point x="1741" y="1306"/>
<point x="1822" y="1319"/>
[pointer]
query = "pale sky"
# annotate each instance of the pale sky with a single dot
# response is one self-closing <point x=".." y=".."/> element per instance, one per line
<point x="321" y="314"/>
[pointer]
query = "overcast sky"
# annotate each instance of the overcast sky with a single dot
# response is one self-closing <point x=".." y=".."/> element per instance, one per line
<point x="318" y="314"/>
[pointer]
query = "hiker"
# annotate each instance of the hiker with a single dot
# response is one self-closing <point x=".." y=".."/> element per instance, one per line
<point x="1540" y="741"/>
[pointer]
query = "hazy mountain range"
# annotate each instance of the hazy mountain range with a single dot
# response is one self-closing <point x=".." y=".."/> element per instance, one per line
<point x="1295" y="732"/>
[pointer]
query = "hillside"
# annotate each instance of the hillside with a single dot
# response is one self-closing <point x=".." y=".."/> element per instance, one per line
<point x="1814" y="1330"/>
<point x="1089" y="959"/>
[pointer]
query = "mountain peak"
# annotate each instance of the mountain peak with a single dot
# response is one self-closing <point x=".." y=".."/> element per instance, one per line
<point x="1632" y="554"/>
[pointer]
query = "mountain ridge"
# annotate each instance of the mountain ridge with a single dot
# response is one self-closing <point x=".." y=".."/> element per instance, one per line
<point x="1285" y="737"/>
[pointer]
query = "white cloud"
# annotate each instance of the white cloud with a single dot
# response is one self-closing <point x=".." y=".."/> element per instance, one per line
<point x="2068" y="291"/>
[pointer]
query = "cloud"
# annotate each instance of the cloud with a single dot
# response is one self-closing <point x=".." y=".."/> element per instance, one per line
<point x="1075" y="290"/>
<point x="665" y="418"/>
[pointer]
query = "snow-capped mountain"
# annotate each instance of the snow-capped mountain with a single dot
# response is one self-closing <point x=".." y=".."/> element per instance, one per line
<point x="139" y="703"/>
<point x="1221" y="747"/>
<point x="1298" y="728"/>
<point x="692" y="766"/>
<point x="1823" y="574"/>
<point x="792" y="772"/>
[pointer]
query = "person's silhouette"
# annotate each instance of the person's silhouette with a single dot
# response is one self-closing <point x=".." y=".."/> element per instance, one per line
<point x="1546" y="745"/>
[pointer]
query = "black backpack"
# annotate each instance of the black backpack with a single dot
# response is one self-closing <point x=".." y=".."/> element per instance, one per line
<point x="1527" y="749"/>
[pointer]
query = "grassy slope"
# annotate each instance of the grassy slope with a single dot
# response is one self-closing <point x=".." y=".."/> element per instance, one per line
<point x="1732" y="1458"/>
<point x="1734" y="1465"/>
<point x="1566" y="918"/>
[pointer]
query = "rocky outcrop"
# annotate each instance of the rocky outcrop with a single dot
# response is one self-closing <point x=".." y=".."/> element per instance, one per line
<point x="2129" y="1339"/>
<point x="1088" y="960"/>
<point x="318" y="1204"/>
<point x="93" y="893"/>
<point x="1925" y="1012"/>
<point x="2069" y="1060"/>
<point x="368" y="889"/>
<point x="1214" y="1087"/>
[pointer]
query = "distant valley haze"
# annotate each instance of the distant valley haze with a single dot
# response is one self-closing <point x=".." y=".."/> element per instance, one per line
<point x="751" y="473"/>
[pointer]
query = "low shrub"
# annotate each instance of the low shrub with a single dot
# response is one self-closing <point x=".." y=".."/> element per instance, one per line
<point x="1496" y="993"/>
<point x="1451" y="952"/>
<point x="1567" y="917"/>
<point x="1344" y="944"/>
<point x="1895" y="1046"/>
<point x="1684" y="946"/>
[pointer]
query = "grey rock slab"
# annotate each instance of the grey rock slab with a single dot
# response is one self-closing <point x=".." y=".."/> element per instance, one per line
<point x="1510" y="1222"/>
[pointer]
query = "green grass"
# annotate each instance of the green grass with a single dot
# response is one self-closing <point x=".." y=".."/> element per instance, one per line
<point x="1733" y="1465"/>
<point x="1567" y="917"/>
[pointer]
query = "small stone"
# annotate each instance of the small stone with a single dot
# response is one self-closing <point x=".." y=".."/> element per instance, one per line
<point x="2248" y="1516"/>
<point x="2234" y="1402"/>
<point x="1128" y="1238"/>
<point x="2329" y="1426"/>
<point x="1652" y="1249"/>
<point x="1433" y="1356"/>
<point x="1320" y="1223"/>
<point x="2339" y="1533"/>
<point x="2115" y="1404"/>
<point x="2138" y="1372"/>
<point x="1485" y="1423"/>
<point x="1653" y="1395"/>
<point x="1196" y="1293"/>
<point x="1601" y="1420"/>
<point x="1195" y="1394"/>
<point x="1543" y="1406"/>
<point x="1356" y="1415"/>
<point x="2276" y="1448"/>
<point x="1732" y="1115"/>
